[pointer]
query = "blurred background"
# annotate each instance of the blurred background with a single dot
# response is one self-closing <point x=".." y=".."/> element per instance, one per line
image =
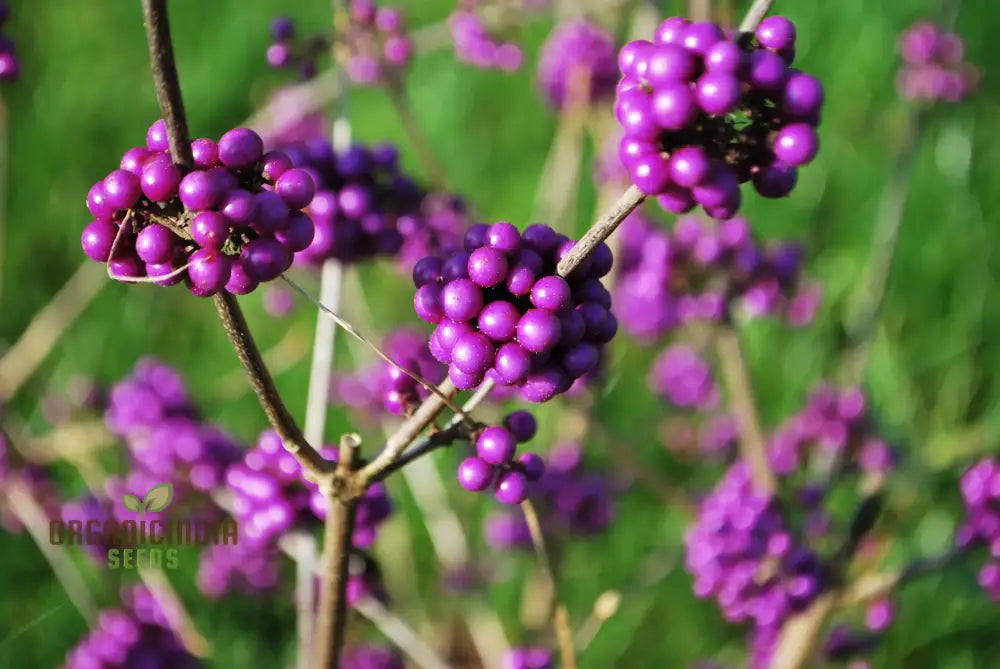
<point x="85" y="96"/>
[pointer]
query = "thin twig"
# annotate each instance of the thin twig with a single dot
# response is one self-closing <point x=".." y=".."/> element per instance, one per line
<point x="753" y="447"/>
<point x="605" y="606"/>
<point x="48" y="325"/>
<point x="397" y="631"/>
<point x="441" y="438"/>
<point x="270" y="400"/>
<point x="560" y="621"/>
<point x="168" y="94"/>
<point x="168" y="88"/>
<point x="31" y="515"/>
<point x="340" y="515"/>
<point x="179" y="619"/>
<point x="799" y="633"/>
<point x="601" y="230"/>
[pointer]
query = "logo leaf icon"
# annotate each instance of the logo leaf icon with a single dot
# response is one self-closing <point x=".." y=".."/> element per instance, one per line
<point x="131" y="502"/>
<point x="158" y="497"/>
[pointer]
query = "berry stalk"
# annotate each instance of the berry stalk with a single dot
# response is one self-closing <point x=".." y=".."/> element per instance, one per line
<point x="168" y="93"/>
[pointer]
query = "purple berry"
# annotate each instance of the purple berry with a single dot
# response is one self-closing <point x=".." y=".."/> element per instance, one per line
<point x="427" y="302"/>
<point x="496" y="445"/>
<point x="511" y="488"/>
<point x="209" y="271"/>
<point x="532" y="465"/>
<point x="776" y="33"/>
<point x="155" y="244"/>
<point x="240" y="147"/>
<point x="462" y="300"/>
<point x="264" y="259"/>
<point x="512" y="363"/>
<point x="473" y="353"/>
<point x="538" y="330"/>
<point x="551" y="293"/>
<point x="498" y="320"/>
<point x="160" y="179"/>
<point x="296" y="188"/>
<point x="796" y="144"/>
<point x="97" y="240"/>
<point x="487" y="266"/>
<point x="475" y="474"/>
<point x="156" y="137"/>
<point x="205" y="153"/>
<point x="199" y="191"/>
<point x="209" y="229"/>
<point x="522" y="425"/>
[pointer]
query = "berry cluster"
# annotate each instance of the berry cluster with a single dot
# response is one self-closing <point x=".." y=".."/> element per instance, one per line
<point x="934" y="65"/>
<point x="528" y="658"/>
<point x="742" y="553"/>
<point x="137" y="635"/>
<point x="166" y="439"/>
<point x="229" y="224"/>
<point x="501" y="311"/>
<point x="832" y="424"/>
<point x="10" y="66"/>
<point x="577" y="64"/>
<point x="980" y="487"/>
<point x="476" y="46"/>
<point x="695" y="272"/>
<point x="369" y="656"/>
<point x="494" y="464"/>
<point x="569" y="499"/>
<point x="682" y="376"/>
<point x="384" y="387"/>
<point x="704" y="113"/>
<point x="438" y="230"/>
<point x="360" y="195"/>
<point x="284" y="53"/>
<point x="377" y="43"/>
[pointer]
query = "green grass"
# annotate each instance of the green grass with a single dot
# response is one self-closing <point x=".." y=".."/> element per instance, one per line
<point x="86" y="96"/>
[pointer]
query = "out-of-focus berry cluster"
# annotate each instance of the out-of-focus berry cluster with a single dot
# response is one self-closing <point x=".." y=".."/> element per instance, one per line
<point x="577" y="65"/>
<point x="10" y="66"/>
<point x="694" y="273"/>
<point x="703" y="113"/>
<point x="501" y="310"/>
<point x="286" y="52"/>
<point x="137" y="635"/>
<point x="832" y="424"/>
<point x="374" y="45"/>
<point x="743" y="554"/>
<point x="494" y="463"/>
<point x="368" y="656"/>
<point x="385" y="388"/>
<point x="569" y="498"/>
<point x="361" y="194"/>
<point x="231" y="223"/>
<point x="980" y="487"/>
<point x="438" y="230"/>
<point x="528" y="658"/>
<point x="163" y="433"/>
<point x="377" y="45"/>
<point x="271" y="498"/>
<point x="475" y="45"/>
<point x="934" y="66"/>
<point x="760" y="561"/>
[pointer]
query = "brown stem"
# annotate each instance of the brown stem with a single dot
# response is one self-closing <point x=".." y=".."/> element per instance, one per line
<point x="263" y="385"/>
<point x="168" y="94"/>
<point x="340" y="516"/>
<point x="168" y="87"/>
<point x="753" y="447"/>
<point x="601" y="230"/>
